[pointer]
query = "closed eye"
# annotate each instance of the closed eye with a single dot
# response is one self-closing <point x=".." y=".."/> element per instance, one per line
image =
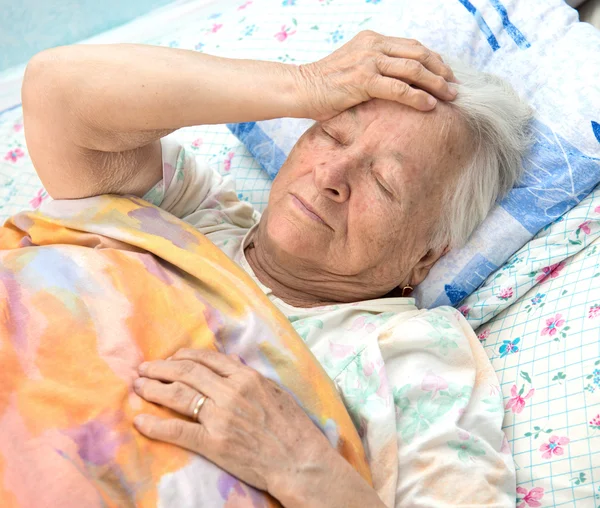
<point x="384" y="187"/>
<point x="331" y="137"/>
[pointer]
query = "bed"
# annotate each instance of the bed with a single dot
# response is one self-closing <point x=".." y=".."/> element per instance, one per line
<point x="537" y="315"/>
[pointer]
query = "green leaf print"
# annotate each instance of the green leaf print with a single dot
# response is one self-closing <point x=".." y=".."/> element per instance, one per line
<point x="525" y="376"/>
<point x="467" y="449"/>
<point x="401" y="401"/>
<point x="495" y="404"/>
<point x="429" y="409"/>
<point x="444" y="344"/>
<point x="360" y="391"/>
<point x="303" y="327"/>
<point x="578" y="480"/>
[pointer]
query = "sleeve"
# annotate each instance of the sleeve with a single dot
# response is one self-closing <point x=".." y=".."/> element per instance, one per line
<point x="426" y="402"/>
<point x="449" y="411"/>
<point x="191" y="190"/>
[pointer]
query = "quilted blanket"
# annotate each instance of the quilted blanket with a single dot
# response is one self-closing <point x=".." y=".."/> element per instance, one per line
<point x="88" y="290"/>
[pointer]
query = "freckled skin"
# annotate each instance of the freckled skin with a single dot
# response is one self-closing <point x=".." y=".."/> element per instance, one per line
<point x="379" y="206"/>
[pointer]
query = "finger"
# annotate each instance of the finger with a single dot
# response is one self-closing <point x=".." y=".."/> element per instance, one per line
<point x="397" y="48"/>
<point x="395" y="90"/>
<point x="176" y="396"/>
<point x="188" y="435"/>
<point x="193" y="374"/>
<point x="219" y="363"/>
<point x="413" y="73"/>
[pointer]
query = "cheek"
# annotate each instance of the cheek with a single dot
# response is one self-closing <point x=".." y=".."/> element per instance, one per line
<point x="373" y="227"/>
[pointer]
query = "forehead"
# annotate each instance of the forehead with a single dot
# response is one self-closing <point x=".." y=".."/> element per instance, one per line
<point x="420" y="140"/>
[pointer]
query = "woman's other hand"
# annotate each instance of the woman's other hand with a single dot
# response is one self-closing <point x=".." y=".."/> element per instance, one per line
<point x="372" y="66"/>
<point x="247" y="425"/>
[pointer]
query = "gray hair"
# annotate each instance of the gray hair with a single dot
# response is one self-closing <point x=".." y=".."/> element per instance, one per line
<point x="499" y="123"/>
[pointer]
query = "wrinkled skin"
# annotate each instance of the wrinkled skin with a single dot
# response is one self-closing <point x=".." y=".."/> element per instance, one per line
<point x="374" y="175"/>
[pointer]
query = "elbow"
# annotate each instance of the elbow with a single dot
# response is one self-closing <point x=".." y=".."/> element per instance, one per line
<point x="44" y="79"/>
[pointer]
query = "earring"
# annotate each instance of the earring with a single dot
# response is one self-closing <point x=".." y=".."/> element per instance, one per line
<point x="407" y="290"/>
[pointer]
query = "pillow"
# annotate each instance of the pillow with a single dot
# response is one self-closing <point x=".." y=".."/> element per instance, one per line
<point x="521" y="42"/>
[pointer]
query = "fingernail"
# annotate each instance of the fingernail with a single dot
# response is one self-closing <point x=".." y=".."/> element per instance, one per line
<point x="138" y="383"/>
<point x="138" y="421"/>
<point x="142" y="368"/>
<point x="453" y="90"/>
<point x="431" y="101"/>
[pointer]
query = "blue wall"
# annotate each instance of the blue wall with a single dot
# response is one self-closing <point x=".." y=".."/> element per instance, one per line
<point x="28" y="26"/>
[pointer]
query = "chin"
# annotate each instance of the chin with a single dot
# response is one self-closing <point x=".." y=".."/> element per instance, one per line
<point x="287" y="235"/>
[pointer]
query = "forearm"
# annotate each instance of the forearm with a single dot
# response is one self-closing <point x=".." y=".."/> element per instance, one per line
<point x="136" y="89"/>
<point x="335" y="484"/>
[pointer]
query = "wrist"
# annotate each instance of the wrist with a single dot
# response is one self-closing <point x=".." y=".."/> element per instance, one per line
<point x="327" y="482"/>
<point x="294" y="90"/>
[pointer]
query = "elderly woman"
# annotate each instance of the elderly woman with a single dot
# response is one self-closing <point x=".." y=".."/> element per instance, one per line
<point x="403" y="162"/>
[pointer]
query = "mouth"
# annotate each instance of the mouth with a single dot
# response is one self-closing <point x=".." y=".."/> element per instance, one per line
<point x="307" y="210"/>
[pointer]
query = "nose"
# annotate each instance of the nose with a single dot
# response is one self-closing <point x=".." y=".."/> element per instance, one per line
<point x="331" y="179"/>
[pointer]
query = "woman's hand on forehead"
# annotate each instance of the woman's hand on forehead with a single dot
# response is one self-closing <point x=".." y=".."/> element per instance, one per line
<point x="372" y="66"/>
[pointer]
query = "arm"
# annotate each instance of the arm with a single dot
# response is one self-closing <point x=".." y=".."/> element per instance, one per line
<point x="94" y="114"/>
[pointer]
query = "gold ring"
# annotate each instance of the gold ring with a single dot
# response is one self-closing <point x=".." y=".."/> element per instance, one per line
<point x="198" y="407"/>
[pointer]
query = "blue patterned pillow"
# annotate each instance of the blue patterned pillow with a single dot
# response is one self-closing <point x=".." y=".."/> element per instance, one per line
<point x="553" y="64"/>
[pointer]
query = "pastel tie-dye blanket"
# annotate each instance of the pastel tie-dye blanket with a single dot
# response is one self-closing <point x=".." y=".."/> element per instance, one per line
<point x="88" y="290"/>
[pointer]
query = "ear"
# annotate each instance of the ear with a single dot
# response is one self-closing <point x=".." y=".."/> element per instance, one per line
<point x="421" y="269"/>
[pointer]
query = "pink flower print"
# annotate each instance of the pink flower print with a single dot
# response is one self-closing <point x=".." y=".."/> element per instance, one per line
<point x="361" y="322"/>
<point x="215" y="28"/>
<point x="197" y="143"/>
<point x="552" y="325"/>
<point x="555" y="446"/>
<point x="483" y="335"/>
<point x="284" y="33"/>
<point x="227" y="161"/>
<point x="595" y="422"/>
<point x="597" y="209"/>
<point x="39" y="197"/>
<point x="530" y="498"/>
<point x="464" y="310"/>
<point x="505" y="293"/>
<point x="17" y="127"/>
<point x="551" y="271"/>
<point x="340" y="350"/>
<point x="244" y="5"/>
<point x="13" y="155"/>
<point x="517" y="403"/>
<point x="585" y="227"/>
<point x="594" y="311"/>
<point x="433" y="383"/>
<point x="505" y="448"/>
<point x="368" y="369"/>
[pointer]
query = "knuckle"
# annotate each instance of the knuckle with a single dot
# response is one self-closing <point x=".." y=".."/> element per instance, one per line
<point x="367" y="34"/>
<point x="249" y="382"/>
<point x="399" y="88"/>
<point x="413" y="42"/>
<point x="423" y="54"/>
<point x="185" y="368"/>
<point x="175" y="429"/>
<point x="178" y="391"/>
<point x="381" y="61"/>
<point x="415" y="68"/>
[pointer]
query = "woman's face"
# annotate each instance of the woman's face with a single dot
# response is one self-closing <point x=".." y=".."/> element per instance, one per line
<point x="360" y="194"/>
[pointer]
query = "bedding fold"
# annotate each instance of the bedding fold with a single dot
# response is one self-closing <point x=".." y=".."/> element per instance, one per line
<point x="91" y="288"/>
